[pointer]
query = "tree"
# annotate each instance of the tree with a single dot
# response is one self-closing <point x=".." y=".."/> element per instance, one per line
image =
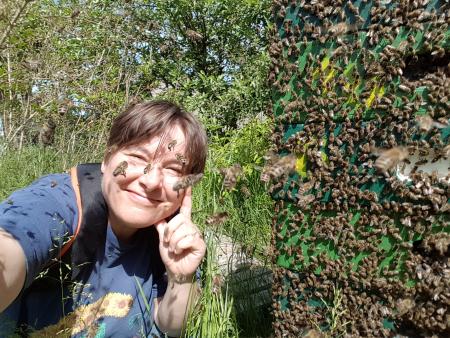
<point x="79" y="63"/>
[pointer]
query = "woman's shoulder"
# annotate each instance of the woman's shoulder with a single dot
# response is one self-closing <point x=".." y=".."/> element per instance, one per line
<point x="49" y="188"/>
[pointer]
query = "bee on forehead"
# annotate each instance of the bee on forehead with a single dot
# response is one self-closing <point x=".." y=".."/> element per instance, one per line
<point x="181" y="158"/>
<point x="171" y="145"/>
<point x="121" y="169"/>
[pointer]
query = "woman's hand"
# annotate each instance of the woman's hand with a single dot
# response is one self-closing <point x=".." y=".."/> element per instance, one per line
<point x="181" y="245"/>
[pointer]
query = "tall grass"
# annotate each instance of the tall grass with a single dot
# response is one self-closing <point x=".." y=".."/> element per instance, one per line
<point x="20" y="167"/>
<point x="213" y="314"/>
<point x="248" y="226"/>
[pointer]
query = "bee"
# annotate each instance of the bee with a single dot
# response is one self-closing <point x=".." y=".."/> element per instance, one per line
<point x="405" y="305"/>
<point x="276" y="169"/>
<point x="390" y="158"/>
<point x="121" y="169"/>
<point x="181" y="158"/>
<point x="171" y="145"/>
<point x="147" y="168"/>
<point x="193" y="35"/>
<point x="186" y="182"/>
<point x="217" y="218"/>
<point x="438" y="52"/>
<point x="404" y="88"/>
<point x="217" y="283"/>
<point x="426" y="123"/>
<point x="231" y="175"/>
<point x="304" y="200"/>
<point x="341" y="28"/>
<point x="446" y="151"/>
<point x="445" y="208"/>
<point x="246" y="191"/>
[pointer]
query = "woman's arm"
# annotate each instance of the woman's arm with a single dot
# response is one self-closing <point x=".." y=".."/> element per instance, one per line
<point x="12" y="269"/>
<point x="182" y="249"/>
<point x="171" y="311"/>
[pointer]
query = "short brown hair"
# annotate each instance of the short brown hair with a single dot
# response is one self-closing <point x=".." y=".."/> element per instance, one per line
<point x="147" y="119"/>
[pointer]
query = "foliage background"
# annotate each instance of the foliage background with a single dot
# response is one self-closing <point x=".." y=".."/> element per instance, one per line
<point x="79" y="63"/>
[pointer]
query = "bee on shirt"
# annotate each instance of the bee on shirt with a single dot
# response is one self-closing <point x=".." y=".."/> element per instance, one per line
<point x="186" y="182"/>
<point x="121" y="169"/>
<point x="390" y="158"/>
<point x="231" y="175"/>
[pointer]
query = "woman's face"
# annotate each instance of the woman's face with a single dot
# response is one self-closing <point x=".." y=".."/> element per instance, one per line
<point x="136" y="199"/>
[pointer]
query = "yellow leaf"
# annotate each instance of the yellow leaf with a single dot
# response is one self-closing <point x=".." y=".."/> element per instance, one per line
<point x="325" y="62"/>
<point x="300" y="165"/>
<point x="371" y="97"/>
<point x="381" y="92"/>
<point x="329" y="76"/>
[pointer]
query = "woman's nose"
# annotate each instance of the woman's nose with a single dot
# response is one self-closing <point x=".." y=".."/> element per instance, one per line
<point x="152" y="178"/>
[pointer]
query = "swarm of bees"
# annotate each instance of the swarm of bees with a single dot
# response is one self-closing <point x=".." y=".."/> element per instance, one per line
<point x="362" y="85"/>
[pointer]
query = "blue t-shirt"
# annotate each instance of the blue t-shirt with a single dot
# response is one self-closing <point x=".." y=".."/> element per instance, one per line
<point x="109" y="303"/>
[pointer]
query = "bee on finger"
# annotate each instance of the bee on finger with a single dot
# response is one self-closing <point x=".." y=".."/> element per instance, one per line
<point x="121" y="169"/>
<point x="186" y="182"/>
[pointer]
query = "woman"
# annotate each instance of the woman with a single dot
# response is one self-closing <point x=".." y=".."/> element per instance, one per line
<point x="149" y="244"/>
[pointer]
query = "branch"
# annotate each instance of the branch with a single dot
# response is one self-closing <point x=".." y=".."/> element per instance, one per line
<point x="14" y="21"/>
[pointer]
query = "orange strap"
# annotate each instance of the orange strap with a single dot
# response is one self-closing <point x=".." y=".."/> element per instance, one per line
<point x="76" y="189"/>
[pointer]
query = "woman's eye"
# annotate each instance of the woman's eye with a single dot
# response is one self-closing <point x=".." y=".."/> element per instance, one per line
<point x="137" y="156"/>
<point x="136" y="159"/>
<point x="176" y="171"/>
